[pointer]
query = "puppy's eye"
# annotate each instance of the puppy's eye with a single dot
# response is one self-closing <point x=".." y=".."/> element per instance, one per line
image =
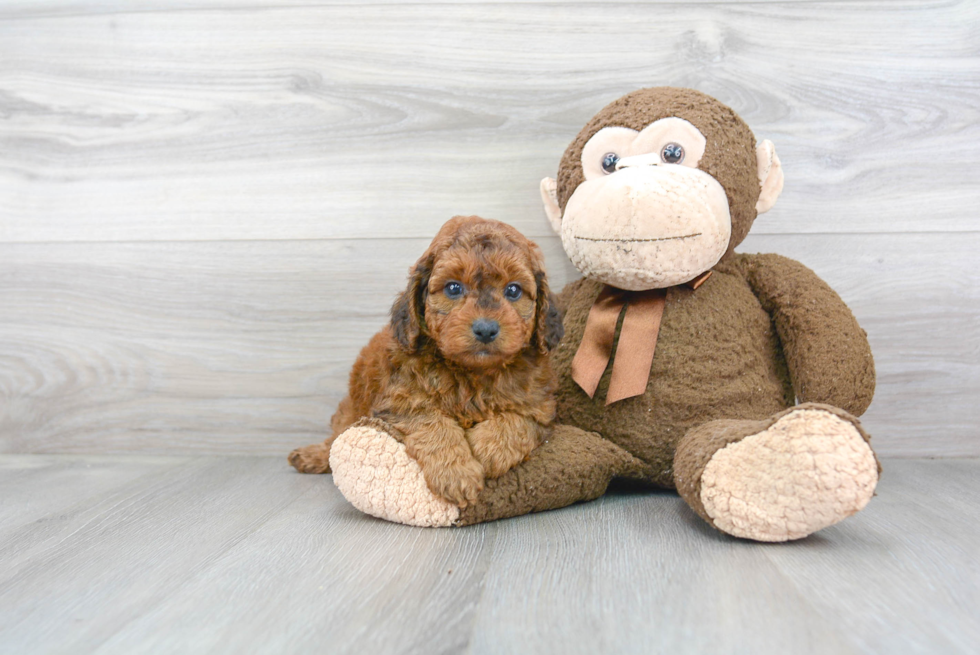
<point x="513" y="291"/>
<point x="453" y="289"/>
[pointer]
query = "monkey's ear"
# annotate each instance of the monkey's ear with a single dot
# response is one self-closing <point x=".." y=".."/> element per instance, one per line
<point x="407" y="314"/>
<point x="770" y="176"/>
<point x="548" y="328"/>
<point x="549" y="195"/>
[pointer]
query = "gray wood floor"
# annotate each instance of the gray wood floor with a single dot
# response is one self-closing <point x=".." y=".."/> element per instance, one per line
<point x="125" y="554"/>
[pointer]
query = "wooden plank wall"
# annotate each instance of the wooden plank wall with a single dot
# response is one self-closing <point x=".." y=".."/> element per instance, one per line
<point x="207" y="207"/>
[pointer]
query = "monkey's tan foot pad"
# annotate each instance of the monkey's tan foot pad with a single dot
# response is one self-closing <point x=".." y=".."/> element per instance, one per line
<point x="376" y="475"/>
<point x="808" y="470"/>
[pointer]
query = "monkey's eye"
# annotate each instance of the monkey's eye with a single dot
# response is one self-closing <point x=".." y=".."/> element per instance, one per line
<point x="672" y="154"/>
<point x="453" y="289"/>
<point x="609" y="162"/>
<point x="513" y="291"/>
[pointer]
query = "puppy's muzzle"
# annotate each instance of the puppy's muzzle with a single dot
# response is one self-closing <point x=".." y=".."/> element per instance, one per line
<point x="485" y="330"/>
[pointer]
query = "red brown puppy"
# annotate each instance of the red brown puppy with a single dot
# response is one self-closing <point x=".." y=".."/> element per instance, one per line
<point x="461" y="376"/>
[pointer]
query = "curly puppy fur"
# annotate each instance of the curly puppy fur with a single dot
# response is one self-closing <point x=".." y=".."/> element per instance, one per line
<point x="467" y="405"/>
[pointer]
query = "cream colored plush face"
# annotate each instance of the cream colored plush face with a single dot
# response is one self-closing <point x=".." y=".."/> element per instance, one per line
<point x="648" y="223"/>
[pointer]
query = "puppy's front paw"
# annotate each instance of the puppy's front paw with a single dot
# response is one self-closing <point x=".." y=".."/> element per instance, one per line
<point x="311" y="459"/>
<point x="500" y="445"/>
<point x="459" y="482"/>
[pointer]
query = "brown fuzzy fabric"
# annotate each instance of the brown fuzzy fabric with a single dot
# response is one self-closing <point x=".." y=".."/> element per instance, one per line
<point x="701" y="444"/>
<point x="572" y="465"/>
<point x="729" y="157"/>
<point x="722" y="355"/>
<point x="718" y="356"/>
<point x="826" y="351"/>
<point x="466" y="409"/>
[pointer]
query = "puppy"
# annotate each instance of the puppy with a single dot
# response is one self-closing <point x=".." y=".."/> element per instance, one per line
<point x="462" y="373"/>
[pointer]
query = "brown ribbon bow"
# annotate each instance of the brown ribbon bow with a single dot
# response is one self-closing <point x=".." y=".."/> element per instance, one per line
<point x="637" y="340"/>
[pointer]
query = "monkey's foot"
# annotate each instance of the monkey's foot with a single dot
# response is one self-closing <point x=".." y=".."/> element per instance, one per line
<point x="809" y="468"/>
<point x="376" y="475"/>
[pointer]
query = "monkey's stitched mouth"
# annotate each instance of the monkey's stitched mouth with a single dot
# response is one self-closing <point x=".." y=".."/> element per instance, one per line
<point x="686" y="236"/>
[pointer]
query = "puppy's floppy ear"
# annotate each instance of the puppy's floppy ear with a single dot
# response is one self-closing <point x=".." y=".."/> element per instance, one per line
<point x="548" y="326"/>
<point x="408" y="312"/>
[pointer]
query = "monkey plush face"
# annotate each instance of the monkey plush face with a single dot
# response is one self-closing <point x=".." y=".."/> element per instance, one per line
<point x="658" y="187"/>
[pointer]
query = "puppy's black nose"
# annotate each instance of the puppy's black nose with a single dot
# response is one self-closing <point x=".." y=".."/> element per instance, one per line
<point x="485" y="330"/>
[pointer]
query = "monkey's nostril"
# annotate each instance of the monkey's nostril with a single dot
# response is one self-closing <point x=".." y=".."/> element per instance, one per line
<point x="485" y="330"/>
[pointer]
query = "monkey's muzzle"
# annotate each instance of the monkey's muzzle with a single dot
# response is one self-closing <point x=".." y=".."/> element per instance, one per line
<point x="647" y="227"/>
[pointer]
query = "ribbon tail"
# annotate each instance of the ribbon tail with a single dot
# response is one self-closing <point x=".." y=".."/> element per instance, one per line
<point x="637" y="343"/>
<point x="593" y="353"/>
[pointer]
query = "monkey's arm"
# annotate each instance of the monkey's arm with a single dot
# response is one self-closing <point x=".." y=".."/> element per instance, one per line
<point x="826" y="351"/>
